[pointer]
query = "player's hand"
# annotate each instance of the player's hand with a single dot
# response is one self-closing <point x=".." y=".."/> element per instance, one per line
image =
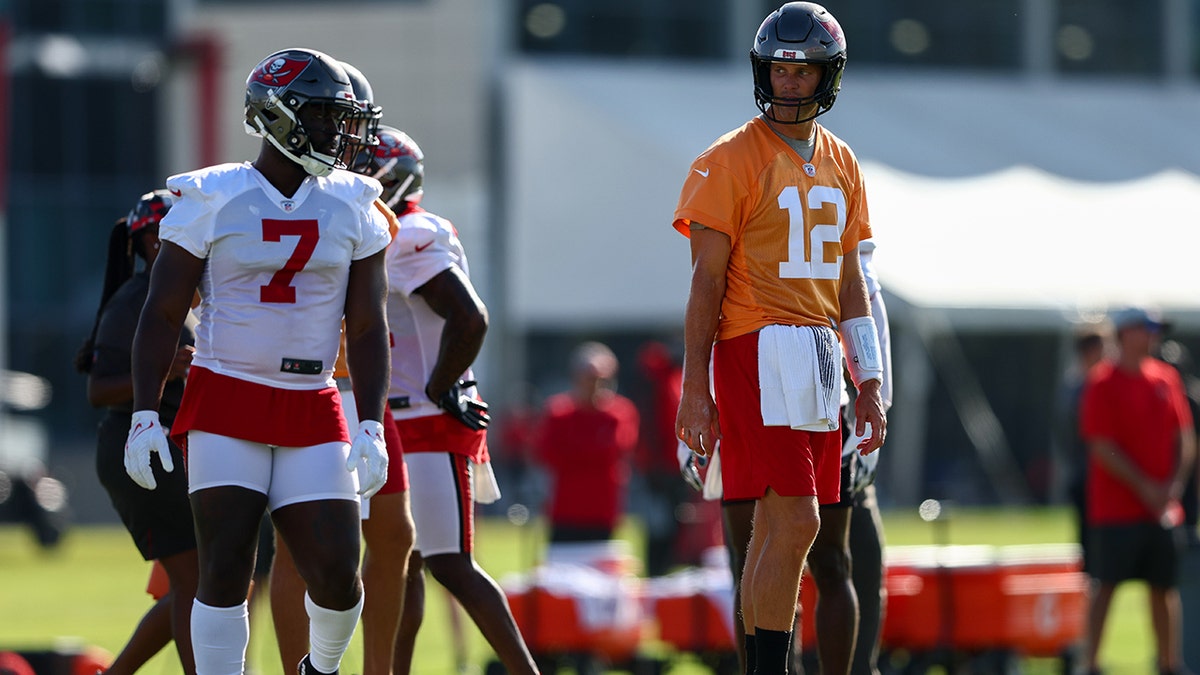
<point x="369" y="449"/>
<point x="697" y="423"/>
<point x="870" y="419"/>
<point x="182" y="362"/>
<point x="470" y="411"/>
<point x="146" y="437"/>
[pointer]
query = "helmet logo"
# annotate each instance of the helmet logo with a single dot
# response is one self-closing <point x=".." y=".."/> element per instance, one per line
<point x="788" y="54"/>
<point x="389" y="147"/>
<point x="835" y="32"/>
<point x="279" y="72"/>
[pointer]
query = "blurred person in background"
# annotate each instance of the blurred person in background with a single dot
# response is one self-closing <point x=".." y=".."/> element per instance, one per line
<point x="585" y="441"/>
<point x="1180" y="357"/>
<point x="159" y="521"/>
<point x="1090" y="345"/>
<point x="1135" y="418"/>
<point x="679" y="524"/>
<point x="285" y="251"/>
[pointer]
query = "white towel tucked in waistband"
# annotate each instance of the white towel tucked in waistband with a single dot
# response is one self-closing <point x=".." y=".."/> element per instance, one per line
<point x="800" y="377"/>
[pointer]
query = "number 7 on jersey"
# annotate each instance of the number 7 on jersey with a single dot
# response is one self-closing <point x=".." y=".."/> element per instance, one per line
<point x="280" y="289"/>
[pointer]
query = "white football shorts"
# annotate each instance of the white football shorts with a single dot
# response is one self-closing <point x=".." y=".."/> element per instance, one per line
<point x="285" y="475"/>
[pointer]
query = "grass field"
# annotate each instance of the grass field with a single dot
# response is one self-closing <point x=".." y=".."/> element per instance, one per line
<point x="90" y="590"/>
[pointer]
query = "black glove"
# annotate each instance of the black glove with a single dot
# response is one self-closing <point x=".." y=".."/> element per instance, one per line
<point x="470" y="411"/>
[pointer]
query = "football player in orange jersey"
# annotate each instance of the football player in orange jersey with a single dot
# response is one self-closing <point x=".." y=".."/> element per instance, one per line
<point x="775" y="211"/>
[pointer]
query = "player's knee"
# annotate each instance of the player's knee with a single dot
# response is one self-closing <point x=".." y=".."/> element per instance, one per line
<point x="393" y="539"/>
<point x="452" y="570"/>
<point x="829" y="565"/>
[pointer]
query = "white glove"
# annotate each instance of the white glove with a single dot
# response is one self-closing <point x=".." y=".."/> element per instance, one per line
<point x="866" y="466"/>
<point x="369" y="448"/>
<point x="146" y="436"/>
<point x="689" y="466"/>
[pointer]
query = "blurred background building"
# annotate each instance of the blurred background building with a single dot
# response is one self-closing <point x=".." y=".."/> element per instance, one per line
<point x="1031" y="163"/>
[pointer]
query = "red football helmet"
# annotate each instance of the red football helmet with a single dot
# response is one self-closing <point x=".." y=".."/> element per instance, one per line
<point x="149" y="210"/>
<point x="398" y="163"/>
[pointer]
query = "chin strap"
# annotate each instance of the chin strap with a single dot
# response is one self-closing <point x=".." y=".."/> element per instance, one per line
<point x="314" y="163"/>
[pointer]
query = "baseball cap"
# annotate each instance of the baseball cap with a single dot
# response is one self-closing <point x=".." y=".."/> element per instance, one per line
<point x="1138" y="316"/>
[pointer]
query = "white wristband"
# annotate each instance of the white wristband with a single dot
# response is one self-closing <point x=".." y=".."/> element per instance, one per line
<point x="863" y="358"/>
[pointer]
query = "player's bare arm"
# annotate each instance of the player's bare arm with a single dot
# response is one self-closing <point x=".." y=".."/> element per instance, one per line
<point x="172" y="286"/>
<point x="696" y="423"/>
<point x="868" y="406"/>
<point x="451" y="296"/>
<point x="368" y="354"/>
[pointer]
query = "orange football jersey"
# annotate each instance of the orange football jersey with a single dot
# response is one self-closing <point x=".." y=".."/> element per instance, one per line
<point x="790" y="222"/>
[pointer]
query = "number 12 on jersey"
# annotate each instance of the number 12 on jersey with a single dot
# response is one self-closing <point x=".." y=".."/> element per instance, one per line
<point x="808" y="262"/>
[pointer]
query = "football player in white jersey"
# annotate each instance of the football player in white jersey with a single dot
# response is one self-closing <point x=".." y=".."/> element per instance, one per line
<point x="437" y="324"/>
<point x="282" y="251"/>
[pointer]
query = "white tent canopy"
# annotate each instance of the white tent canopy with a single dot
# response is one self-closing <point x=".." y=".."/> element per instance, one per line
<point x="1024" y="239"/>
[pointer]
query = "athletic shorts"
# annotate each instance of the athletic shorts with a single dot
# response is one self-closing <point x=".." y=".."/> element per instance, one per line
<point x="443" y="508"/>
<point x="159" y="520"/>
<point x="755" y="457"/>
<point x="1144" y="551"/>
<point x="286" y="475"/>
<point x="227" y="406"/>
<point x="442" y="433"/>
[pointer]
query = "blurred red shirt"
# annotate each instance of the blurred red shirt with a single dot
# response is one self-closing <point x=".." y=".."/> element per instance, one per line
<point x="1142" y="414"/>
<point x="586" y="452"/>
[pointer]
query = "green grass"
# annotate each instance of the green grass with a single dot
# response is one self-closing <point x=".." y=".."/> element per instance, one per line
<point x="91" y="590"/>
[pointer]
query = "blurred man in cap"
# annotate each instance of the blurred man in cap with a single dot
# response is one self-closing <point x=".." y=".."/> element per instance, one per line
<point x="1135" y="418"/>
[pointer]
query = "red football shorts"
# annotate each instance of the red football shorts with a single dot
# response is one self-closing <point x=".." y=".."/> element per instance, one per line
<point x="442" y="433"/>
<point x="397" y="480"/>
<point x="755" y="457"/>
<point x="227" y="406"/>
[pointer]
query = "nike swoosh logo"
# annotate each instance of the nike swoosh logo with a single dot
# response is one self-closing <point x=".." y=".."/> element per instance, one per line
<point x="424" y="246"/>
<point x="177" y="193"/>
<point x="703" y="174"/>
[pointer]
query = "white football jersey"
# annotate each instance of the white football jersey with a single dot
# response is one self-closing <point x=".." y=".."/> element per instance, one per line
<point x="273" y="290"/>
<point x="424" y="246"/>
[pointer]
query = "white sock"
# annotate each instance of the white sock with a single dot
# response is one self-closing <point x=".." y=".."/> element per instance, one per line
<point x="219" y="638"/>
<point x="329" y="633"/>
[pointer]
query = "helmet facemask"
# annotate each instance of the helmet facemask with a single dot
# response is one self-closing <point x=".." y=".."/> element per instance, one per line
<point x="798" y="32"/>
<point x="362" y="129"/>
